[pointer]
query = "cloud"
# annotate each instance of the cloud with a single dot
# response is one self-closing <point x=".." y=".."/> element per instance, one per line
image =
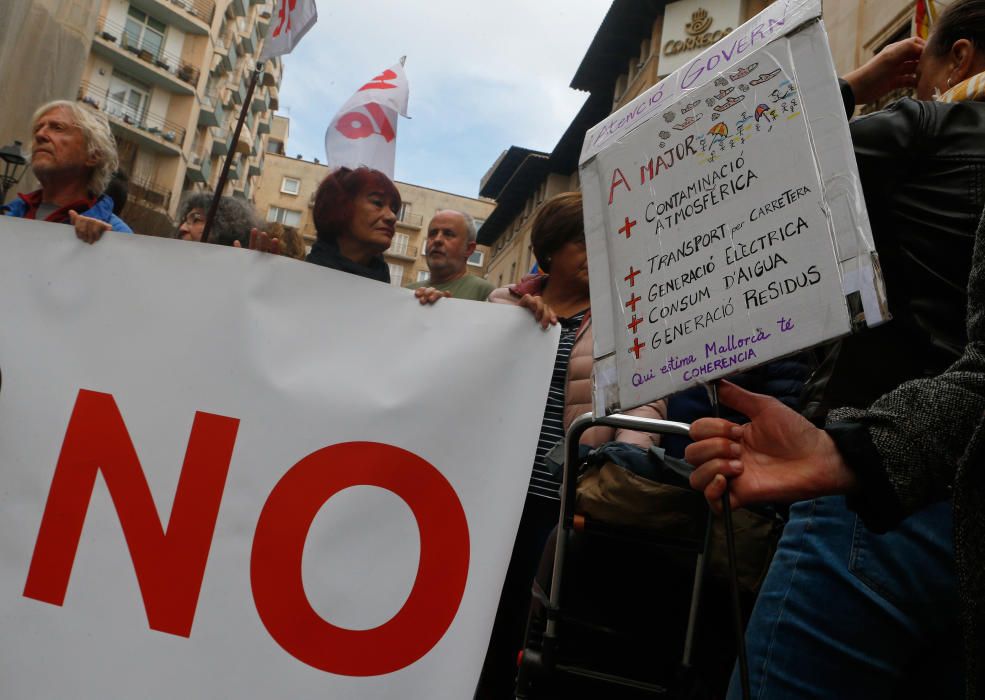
<point x="483" y="77"/>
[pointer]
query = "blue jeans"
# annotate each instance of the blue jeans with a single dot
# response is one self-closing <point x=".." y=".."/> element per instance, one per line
<point x="846" y="613"/>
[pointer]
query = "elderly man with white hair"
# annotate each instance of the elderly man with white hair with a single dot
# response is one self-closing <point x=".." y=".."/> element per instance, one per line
<point x="73" y="156"/>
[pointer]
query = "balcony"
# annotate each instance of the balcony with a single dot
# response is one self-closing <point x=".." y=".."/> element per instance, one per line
<point x="228" y="57"/>
<point x="402" y="251"/>
<point x="199" y="168"/>
<point x="263" y="127"/>
<point x="190" y="16"/>
<point x="250" y="41"/>
<point x="243" y="192"/>
<point x="210" y="112"/>
<point x="255" y="168"/>
<point x="271" y="73"/>
<point x="220" y="142"/>
<point x="149" y="193"/>
<point x="238" y="93"/>
<point x="237" y="7"/>
<point x="167" y="70"/>
<point x="410" y="219"/>
<point x="146" y="128"/>
<point x="274" y="97"/>
<point x="260" y="102"/>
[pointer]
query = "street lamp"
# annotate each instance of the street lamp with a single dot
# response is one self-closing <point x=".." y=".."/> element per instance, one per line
<point x="14" y="164"/>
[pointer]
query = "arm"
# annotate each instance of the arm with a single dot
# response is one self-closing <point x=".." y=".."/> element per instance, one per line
<point x="898" y="455"/>
<point x="921" y="430"/>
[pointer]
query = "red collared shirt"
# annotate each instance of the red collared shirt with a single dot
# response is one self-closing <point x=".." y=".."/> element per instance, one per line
<point x="59" y="216"/>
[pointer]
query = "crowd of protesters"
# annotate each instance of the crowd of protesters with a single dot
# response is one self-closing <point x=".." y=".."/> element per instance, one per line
<point x="877" y="589"/>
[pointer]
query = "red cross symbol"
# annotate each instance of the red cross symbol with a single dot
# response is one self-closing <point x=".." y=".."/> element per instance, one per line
<point x="637" y="346"/>
<point x="627" y="227"/>
<point x="635" y="322"/>
<point x="631" y="277"/>
<point x="633" y="300"/>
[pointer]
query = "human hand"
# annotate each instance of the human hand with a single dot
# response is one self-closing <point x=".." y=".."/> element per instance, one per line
<point x="777" y="457"/>
<point x="86" y="228"/>
<point x="262" y="241"/>
<point x="892" y="68"/>
<point x="429" y="295"/>
<point x="543" y="313"/>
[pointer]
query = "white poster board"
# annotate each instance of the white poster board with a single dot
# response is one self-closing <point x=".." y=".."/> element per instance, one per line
<point x="725" y="223"/>
<point x="263" y="478"/>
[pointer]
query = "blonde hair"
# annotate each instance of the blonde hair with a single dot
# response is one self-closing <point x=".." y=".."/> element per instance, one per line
<point x="98" y="139"/>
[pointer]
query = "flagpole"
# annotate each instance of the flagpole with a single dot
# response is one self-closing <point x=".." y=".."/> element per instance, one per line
<point x="227" y="163"/>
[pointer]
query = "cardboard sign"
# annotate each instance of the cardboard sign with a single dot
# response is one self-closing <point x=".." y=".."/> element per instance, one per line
<point x="714" y="222"/>
<point x="228" y="474"/>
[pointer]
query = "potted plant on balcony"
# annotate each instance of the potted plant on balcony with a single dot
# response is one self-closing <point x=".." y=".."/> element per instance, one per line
<point x="161" y="63"/>
<point x="108" y="37"/>
<point x="186" y="73"/>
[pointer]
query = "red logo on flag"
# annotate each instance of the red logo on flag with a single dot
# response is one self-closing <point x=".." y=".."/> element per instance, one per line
<point x="285" y="15"/>
<point x="356" y="125"/>
<point x="379" y="82"/>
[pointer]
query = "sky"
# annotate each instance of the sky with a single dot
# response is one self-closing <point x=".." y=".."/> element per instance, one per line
<point x="483" y="76"/>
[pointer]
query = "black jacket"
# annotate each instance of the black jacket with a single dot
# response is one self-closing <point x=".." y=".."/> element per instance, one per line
<point x="327" y="253"/>
<point x="922" y="169"/>
<point x="922" y="166"/>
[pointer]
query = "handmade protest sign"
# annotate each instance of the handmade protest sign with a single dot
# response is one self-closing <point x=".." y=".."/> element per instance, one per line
<point x="725" y="223"/>
<point x="246" y="483"/>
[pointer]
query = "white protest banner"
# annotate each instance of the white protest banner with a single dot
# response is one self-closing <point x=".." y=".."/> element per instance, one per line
<point x="234" y="475"/>
<point x="725" y="224"/>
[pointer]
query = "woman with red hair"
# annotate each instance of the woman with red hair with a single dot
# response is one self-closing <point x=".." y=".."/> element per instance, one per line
<point x="355" y="214"/>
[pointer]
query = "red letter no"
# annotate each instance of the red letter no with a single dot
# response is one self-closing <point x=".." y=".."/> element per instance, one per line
<point x="275" y="567"/>
<point x="169" y="565"/>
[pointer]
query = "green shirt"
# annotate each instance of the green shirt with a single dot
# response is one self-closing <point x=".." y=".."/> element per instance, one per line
<point x="465" y="287"/>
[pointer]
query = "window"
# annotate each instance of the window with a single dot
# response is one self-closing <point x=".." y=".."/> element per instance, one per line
<point x="399" y="244"/>
<point x="288" y="217"/>
<point x="127" y="99"/>
<point x="396" y="274"/>
<point x="476" y="258"/>
<point x="423" y="275"/>
<point x="290" y="185"/>
<point x="144" y="32"/>
<point x="404" y="211"/>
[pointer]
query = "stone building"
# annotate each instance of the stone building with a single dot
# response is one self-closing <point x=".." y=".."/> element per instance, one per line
<point x="638" y="43"/>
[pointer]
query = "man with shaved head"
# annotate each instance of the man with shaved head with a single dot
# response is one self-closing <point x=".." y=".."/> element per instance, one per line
<point x="451" y="241"/>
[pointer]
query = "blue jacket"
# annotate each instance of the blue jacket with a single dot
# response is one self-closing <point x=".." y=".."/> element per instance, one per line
<point x="102" y="210"/>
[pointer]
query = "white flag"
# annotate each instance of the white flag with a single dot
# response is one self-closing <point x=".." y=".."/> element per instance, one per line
<point x="291" y="20"/>
<point x="364" y="131"/>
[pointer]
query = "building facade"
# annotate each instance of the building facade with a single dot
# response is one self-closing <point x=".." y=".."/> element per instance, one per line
<point x="171" y="76"/>
<point x="638" y="43"/>
<point x="285" y="194"/>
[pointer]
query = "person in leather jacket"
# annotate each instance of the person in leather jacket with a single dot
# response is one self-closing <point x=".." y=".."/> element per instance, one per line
<point x="846" y="611"/>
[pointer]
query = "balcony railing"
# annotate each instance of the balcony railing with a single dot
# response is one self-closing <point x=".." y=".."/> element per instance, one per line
<point x="411" y="219"/>
<point x="402" y="251"/>
<point x="202" y="9"/>
<point x="117" y="34"/>
<point x="149" y="193"/>
<point x="143" y="120"/>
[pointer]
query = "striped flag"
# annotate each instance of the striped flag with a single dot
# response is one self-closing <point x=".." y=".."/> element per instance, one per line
<point x="924" y="14"/>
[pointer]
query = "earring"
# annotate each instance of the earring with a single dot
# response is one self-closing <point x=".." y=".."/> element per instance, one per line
<point x="948" y="82"/>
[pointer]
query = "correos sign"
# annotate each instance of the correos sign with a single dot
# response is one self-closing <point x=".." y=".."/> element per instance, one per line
<point x="692" y="25"/>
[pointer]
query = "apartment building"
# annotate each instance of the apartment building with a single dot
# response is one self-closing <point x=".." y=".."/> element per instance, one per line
<point x="171" y="76"/>
<point x="285" y="194"/>
<point x="638" y="43"/>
